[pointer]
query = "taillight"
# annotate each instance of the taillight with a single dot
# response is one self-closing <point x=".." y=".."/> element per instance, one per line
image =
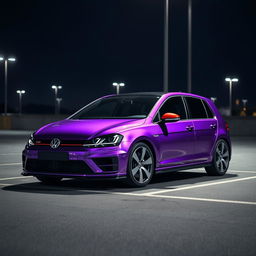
<point x="227" y="127"/>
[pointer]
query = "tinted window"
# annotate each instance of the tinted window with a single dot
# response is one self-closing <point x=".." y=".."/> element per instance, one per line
<point x="196" y="108"/>
<point x="118" y="107"/>
<point x="174" y="105"/>
<point x="208" y="110"/>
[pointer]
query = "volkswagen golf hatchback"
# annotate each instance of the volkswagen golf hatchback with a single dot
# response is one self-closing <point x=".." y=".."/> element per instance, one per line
<point x="132" y="136"/>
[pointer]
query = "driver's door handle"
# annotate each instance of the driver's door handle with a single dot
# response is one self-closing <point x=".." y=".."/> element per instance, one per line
<point x="213" y="126"/>
<point x="190" y="128"/>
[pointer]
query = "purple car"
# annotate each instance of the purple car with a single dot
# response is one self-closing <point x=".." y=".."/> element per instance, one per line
<point x="131" y="136"/>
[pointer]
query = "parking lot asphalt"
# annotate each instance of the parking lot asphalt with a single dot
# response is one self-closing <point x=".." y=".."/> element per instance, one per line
<point x="182" y="213"/>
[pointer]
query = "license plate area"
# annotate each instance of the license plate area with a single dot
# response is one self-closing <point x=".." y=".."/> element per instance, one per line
<point x="48" y="155"/>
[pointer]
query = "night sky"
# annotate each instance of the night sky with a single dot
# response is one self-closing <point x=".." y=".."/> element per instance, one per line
<point x="85" y="45"/>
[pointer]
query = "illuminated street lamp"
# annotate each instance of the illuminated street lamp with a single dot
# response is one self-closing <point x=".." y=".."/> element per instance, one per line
<point x="213" y="99"/>
<point x="56" y="88"/>
<point x="58" y="104"/>
<point x="230" y="81"/>
<point x="10" y="59"/>
<point x="118" y="85"/>
<point x="20" y="92"/>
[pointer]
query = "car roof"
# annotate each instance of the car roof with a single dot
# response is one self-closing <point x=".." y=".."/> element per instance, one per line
<point x="157" y="94"/>
<point x="140" y="94"/>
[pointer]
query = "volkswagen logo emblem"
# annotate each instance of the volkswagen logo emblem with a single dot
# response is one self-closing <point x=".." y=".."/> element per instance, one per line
<point x="55" y="143"/>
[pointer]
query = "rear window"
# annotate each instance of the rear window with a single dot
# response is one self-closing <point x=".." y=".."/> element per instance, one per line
<point x="196" y="108"/>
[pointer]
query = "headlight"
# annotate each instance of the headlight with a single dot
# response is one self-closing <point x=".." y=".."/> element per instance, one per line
<point x="110" y="140"/>
<point x="31" y="140"/>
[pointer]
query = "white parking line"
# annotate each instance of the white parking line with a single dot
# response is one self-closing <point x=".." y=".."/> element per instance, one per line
<point x="15" y="178"/>
<point x="10" y="164"/>
<point x="7" y="154"/>
<point x="241" y="171"/>
<point x="197" y="186"/>
<point x="150" y="195"/>
<point x="190" y="198"/>
<point x="159" y="196"/>
<point x="170" y="197"/>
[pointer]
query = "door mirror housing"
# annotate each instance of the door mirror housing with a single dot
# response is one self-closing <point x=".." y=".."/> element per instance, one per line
<point x="170" y="117"/>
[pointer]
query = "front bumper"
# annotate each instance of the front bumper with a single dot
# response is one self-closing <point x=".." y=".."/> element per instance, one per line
<point x="73" y="162"/>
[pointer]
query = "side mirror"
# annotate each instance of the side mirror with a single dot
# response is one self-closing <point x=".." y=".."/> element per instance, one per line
<point x="170" y="117"/>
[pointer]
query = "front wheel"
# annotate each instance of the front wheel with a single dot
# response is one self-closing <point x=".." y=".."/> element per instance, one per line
<point x="221" y="159"/>
<point x="140" y="165"/>
<point x="49" y="179"/>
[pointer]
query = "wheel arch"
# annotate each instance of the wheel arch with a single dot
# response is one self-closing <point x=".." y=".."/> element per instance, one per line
<point x="228" y="143"/>
<point x="149" y="144"/>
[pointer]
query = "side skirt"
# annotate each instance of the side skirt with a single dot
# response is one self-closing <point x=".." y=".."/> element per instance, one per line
<point x="181" y="168"/>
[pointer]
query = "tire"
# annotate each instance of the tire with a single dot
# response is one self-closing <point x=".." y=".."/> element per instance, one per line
<point x="141" y="164"/>
<point x="221" y="158"/>
<point x="49" y="179"/>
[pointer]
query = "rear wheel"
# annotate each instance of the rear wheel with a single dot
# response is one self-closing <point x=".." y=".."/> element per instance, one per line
<point x="140" y="166"/>
<point x="49" y="179"/>
<point x="221" y="159"/>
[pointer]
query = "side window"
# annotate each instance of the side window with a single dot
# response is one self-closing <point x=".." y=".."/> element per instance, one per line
<point x="196" y="108"/>
<point x="174" y="105"/>
<point x="208" y="110"/>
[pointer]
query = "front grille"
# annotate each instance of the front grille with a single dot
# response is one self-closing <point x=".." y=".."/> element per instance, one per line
<point x="107" y="164"/>
<point x="56" y="166"/>
<point x="64" y="143"/>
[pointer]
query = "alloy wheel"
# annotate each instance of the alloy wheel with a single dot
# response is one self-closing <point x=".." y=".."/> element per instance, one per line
<point x="141" y="164"/>
<point x="222" y="157"/>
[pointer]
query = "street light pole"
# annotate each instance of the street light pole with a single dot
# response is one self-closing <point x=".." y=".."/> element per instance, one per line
<point x="189" y="46"/>
<point x="118" y="85"/>
<point x="5" y="87"/>
<point x="56" y="88"/>
<point x="20" y="92"/>
<point x="58" y="104"/>
<point x="230" y="81"/>
<point x="6" y="81"/>
<point x="166" y="46"/>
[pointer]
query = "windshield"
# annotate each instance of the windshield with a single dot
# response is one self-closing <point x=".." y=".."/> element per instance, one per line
<point x="118" y="107"/>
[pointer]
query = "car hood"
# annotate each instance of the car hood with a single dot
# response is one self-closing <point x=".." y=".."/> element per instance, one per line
<point x="85" y="129"/>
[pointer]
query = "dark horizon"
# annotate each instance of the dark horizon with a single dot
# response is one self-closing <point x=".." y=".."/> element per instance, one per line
<point x="88" y="45"/>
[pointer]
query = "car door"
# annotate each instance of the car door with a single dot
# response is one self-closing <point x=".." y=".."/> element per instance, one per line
<point x="205" y="126"/>
<point x="175" y="139"/>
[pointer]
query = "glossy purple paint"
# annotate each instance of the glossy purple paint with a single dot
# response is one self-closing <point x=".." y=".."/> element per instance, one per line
<point x="173" y="146"/>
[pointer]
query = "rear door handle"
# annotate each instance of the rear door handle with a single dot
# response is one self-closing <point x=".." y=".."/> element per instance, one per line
<point x="190" y="128"/>
<point x="213" y="126"/>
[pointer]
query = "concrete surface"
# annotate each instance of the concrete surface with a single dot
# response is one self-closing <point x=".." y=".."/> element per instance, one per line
<point x="184" y="213"/>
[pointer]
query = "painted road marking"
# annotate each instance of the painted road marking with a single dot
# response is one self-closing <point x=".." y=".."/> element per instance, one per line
<point x="15" y="178"/>
<point x="149" y="195"/>
<point x="10" y="164"/>
<point x="198" y="186"/>
<point x="170" y="197"/>
<point x="190" y="198"/>
<point x="174" y="197"/>
<point x="7" y="154"/>
<point x="162" y="196"/>
<point x="241" y="171"/>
